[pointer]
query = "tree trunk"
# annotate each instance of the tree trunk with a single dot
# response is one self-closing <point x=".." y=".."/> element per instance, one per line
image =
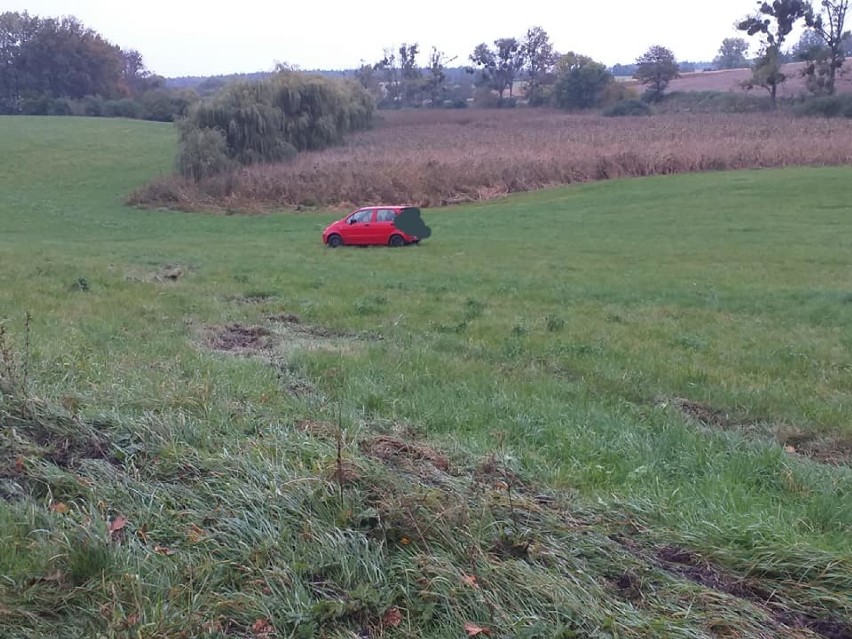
<point x="832" y="75"/>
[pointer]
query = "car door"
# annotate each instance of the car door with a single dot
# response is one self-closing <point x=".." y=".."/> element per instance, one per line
<point x="358" y="227"/>
<point x="383" y="228"/>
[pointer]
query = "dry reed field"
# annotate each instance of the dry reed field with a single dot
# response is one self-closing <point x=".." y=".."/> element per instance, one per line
<point x="444" y="157"/>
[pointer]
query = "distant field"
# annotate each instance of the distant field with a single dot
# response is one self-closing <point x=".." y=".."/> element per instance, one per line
<point x="620" y="409"/>
<point x="732" y="79"/>
<point x="432" y="158"/>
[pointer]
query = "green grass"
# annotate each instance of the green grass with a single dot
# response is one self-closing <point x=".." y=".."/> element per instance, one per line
<point x="541" y="341"/>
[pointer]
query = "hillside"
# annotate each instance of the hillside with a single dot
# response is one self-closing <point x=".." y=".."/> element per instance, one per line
<point x="732" y="79"/>
<point x="618" y="409"/>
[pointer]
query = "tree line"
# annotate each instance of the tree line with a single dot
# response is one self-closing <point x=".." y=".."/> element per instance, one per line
<point x="493" y="72"/>
<point x="575" y="81"/>
<point x="823" y="47"/>
<point x="58" y="66"/>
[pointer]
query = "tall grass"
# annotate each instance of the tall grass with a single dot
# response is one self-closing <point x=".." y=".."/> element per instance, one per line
<point x="434" y="159"/>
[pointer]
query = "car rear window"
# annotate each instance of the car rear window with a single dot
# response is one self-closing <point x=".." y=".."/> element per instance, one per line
<point x="385" y="215"/>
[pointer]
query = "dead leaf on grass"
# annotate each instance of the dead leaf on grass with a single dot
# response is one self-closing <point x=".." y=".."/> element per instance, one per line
<point x="162" y="550"/>
<point x="473" y="630"/>
<point x="19" y="464"/>
<point x="116" y="526"/>
<point x="59" y="507"/>
<point x="195" y="534"/>
<point x="262" y="629"/>
<point x="392" y="618"/>
<point x="131" y="620"/>
<point x="54" y="575"/>
<point x="470" y="580"/>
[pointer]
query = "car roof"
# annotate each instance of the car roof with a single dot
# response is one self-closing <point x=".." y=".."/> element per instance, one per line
<point x="386" y="206"/>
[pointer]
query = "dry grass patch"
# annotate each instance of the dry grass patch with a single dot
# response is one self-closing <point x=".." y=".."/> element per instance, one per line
<point x="441" y="158"/>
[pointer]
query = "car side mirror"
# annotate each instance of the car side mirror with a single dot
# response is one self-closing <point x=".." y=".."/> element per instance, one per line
<point x="352" y="220"/>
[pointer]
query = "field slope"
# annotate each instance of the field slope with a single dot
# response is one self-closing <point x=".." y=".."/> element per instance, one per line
<point x="620" y="409"/>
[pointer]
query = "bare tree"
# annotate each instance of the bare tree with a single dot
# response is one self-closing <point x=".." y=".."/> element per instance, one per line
<point x="829" y="24"/>
<point x="435" y="82"/>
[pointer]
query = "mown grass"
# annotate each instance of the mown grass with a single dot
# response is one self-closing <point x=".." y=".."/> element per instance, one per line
<point x="485" y="428"/>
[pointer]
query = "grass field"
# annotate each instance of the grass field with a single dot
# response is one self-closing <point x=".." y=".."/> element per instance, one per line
<point x="618" y="409"/>
<point x="437" y="157"/>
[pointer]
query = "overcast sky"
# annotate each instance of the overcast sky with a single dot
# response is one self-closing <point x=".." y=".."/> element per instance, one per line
<point x="179" y="37"/>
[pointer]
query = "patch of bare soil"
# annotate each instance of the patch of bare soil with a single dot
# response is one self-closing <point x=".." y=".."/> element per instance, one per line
<point x="258" y="297"/>
<point x="62" y="441"/>
<point x="396" y="451"/>
<point x="166" y="273"/>
<point x="834" y="450"/>
<point x="781" y="614"/>
<point x="237" y="337"/>
<point x="32" y="434"/>
<point x="285" y="318"/>
<point x="703" y="414"/>
<point x="691" y="566"/>
<point x="170" y="273"/>
<point x="414" y="458"/>
<point x="320" y="430"/>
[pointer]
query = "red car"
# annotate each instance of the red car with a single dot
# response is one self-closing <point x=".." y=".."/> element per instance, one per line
<point x="369" y="225"/>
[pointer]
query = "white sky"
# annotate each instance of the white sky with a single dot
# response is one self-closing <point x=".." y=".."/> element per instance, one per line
<point x="179" y="37"/>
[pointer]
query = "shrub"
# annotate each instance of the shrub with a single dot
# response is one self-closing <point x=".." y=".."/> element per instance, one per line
<point x="125" y="108"/>
<point x="201" y="152"/>
<point x="485" y="98"/>
<point x="44" y="105"/>
<point x="714" y="102"/>
<point x="627" y="108"/>
<point x="616" y="91"/>
<point x="831" y="106"/>
<point x="272" y="120"/>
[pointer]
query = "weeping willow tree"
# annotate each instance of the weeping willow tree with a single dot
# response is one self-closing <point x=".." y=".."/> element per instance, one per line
<point x="270" y="121"/>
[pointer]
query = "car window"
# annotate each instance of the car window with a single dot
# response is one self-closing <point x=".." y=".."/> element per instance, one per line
<point x="385" y="215"/>
<point x="363" y="216"/>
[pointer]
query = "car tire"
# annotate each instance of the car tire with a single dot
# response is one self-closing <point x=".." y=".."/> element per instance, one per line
<point x="396" y="240"/>
<point x="334" y="241"/>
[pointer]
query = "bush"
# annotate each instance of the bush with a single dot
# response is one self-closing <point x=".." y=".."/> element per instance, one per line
<point x="457" y="103"/>
<point x="44" y="105"/>
<point x="627" y="108"/>
<point x="485" y="98"/>
<point x="831" y="106"/>
<point x="714" y="102"/>
<point x="201" y="152"/>
<point x="90" y="106"/>
<point x="271" y="120"/>
<point x="125" y="108"/>
<point x="616" y="91"/>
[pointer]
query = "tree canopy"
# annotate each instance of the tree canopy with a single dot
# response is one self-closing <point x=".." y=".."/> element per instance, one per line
<point x="655" y="69"/>
<point x="732" y="54"/>
<point x="50" y="59"/>
<point x="580" y="82"/>
<point x="773" y="23"/>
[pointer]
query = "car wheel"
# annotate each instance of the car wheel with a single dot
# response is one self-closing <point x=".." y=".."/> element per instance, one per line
<point x="396" y="240"/>
<point x="334" y="241"/>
